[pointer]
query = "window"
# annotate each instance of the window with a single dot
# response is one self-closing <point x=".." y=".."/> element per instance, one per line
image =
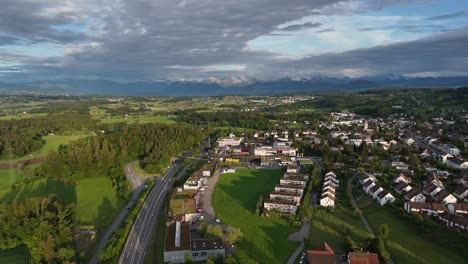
<point x="203" y="253"/>
<point x="195" y="254"/>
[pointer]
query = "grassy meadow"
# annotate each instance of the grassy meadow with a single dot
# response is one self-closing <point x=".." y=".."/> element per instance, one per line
<point x="265" y="239"/>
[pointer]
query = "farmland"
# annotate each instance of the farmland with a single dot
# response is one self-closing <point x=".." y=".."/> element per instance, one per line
<point x="235" y="197"/>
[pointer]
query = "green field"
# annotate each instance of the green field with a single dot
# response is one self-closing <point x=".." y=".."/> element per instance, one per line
<point x="406" y="245"/>
<point x="51" y="143"/>
<point x="326" y="227"/>
<point x="139" y="119"/>
<point x="265" y="239"/>
<point x="9" y="177"/>
<point x="17" y="255"/>
<point x="97" y="201"/>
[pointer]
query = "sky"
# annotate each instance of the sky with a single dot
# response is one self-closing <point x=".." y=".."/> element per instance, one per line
<point x="147" y="40"/>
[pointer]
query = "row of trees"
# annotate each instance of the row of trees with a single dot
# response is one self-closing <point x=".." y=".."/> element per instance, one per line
<point x="253" y="120"/>
<point x="43" y="225"/>
<point x="106" y="154"/>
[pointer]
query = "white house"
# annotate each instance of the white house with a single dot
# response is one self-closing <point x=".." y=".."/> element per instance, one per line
<point x="434" y="179"/>
<point x="327" y="200"/>
<point x="280" y="206"/>
<point x="458" y="208"/>
<point x="367" y="186"/>
<point x="445" y="197"/>
<point x="431" y="189"/>
<point x="374" y="191"/>
<point x="402" y="187"/>
<point x="364" y="177"/>
<point x="457" y="163"/>
<point x="194" y="182"/>
<point x="385" y="197"/>
<point x="461" y="192"/>
<point x="402" y="178"/>
<point x="415" y="196"/>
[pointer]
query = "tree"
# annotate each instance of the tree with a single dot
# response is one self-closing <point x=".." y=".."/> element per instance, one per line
<point x="230" y="260"/>
<point x="384" y="231"/>
<point x="234" y="235"/>
<point x="188" y="258"/>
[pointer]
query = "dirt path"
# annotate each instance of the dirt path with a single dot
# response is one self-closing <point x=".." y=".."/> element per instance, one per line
<point x="355" y="205"/>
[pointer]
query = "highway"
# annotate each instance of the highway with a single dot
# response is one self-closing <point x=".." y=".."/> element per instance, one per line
<point x="137" y="241"/>
<point x="140" y="235"/>
<point x="138" y="186"/>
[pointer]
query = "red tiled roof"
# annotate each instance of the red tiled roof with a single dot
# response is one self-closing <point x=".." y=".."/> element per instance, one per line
<point x="323" y="254"/>
<point x="363" y="258"/>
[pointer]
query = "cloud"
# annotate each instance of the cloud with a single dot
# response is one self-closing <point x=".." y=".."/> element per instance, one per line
<point x="299" y="27"/>
<point x="164" y="39"/>
<point x="445" y="52"/>
<point x="448" y="16"/>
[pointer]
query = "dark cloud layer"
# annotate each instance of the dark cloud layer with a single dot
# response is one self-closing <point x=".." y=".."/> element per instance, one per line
<point x="143" y="39"/>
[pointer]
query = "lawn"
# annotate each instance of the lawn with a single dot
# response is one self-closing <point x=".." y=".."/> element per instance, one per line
<point x="19" y="255"/>
<point x="51" y="143"/>
<point x="9" y="177"/>
<point x="97" y="201"/>
<point x="265" y="239"/>
<point x="139" y="119"/>
<point x="406" y="245"/>
<point x="326" y="227"/>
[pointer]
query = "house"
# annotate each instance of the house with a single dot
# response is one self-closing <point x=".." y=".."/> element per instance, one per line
<point x="445" y="197"/>
<point x="331" y="182"/>
<point x="194" y="182"/>
<point x="286" y="196"/>
<point x="454" y="221"/>
<point x="302" y="175"/>
<point x="449" y="149"/>
<point x="323" y="254"/>
<point x="462" y="178"/>
<point x="363" y="258"/>
<point x="431" y="189"/>
<point x="399" y="165"/>
<point x="425" y="208"/>
<point x="402" y="187"/>
<point x="329" y="175"/>
<point x="385" y="197"/>
<point x="402" y="178"/>
<point x="367" y="186"/>
<point x="415" y="196"/>
<point x="458" y="208"/>
<point x="327" y="200"/>
<point x="280" y="206"/>
<point x="434" y="179"/>
<point x="457" y="163"/>
<point x="364" y="177"/>
<point x="178" y="242"/>
<point x="374" y="191"/>
<point x="461" y="192"/>
<point x="208" y="169"/>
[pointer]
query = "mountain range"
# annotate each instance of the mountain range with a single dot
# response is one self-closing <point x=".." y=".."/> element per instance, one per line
<point x="233" y="86"/>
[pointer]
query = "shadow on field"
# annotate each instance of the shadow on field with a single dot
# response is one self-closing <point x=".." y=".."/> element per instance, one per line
<point x="64" y="191"/>
<point x="105" y="213"/>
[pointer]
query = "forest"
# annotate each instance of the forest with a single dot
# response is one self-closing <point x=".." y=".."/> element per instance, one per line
<point x="43" y="225"/>
<point x="253" y="120"/>
<point x="107" y="153"/>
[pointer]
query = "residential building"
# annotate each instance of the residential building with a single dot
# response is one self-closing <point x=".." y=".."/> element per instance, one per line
<point x="295" y="181"/>
<point x="457" y="163"/>
<point x="363" y="258"/>
<point x="415" y="195"/>
<point x="458" y="208"/>
<point x="364" y="177"/>
<point x="385" y="197"/>
<point x="280" y="206"/>
<point x="368" y="185"/>
<point x="178" y="243"/>
<point x="289" y="188"/>
<point x="327" y="200"/>
<point x="454" y="221"/>
<point x="194" y="182"/>
<point x="374" y="191"/>
<point x="286" y="196"/>
<point x="461" y="192"/>
<point x="402" y="187"/>
<point x="323" y="254"/>
<point x="402" y="178"/>
<point x="445" y="197"/>
<point x="435" y="180"/>
<point x="182" y="210"/>
<point x="425" y="208"/>
<point x="431" y="189"/>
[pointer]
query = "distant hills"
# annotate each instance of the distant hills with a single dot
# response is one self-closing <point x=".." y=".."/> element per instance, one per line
<point x="233" y="86"/>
